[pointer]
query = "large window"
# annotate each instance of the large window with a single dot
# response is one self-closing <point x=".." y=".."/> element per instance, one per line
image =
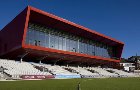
<point x="48" y="37"/>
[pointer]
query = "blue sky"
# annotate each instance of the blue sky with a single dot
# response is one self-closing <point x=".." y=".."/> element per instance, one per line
<point x="118" y="19"/>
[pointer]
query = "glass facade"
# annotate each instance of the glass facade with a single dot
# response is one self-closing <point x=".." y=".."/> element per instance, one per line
<point x="44" y="36"/>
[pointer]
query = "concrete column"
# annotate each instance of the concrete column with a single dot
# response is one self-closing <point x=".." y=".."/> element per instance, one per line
<point x="88" y="66"/>
<point x="21" y="60"/>
<point x="40" y="62"/>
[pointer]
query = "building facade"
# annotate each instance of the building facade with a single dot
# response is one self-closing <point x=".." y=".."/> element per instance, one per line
<point x="38" y="35"/>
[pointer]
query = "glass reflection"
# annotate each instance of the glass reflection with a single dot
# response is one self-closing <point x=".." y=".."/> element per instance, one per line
<point x="44" y="36"/>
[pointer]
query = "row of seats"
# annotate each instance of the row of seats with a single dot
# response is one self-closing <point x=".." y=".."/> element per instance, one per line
<point x="102" y="71"/>
<point x="82" y="71"/>
<point x="15" y="69"/>
<point x="57" y="70"/>
<point x="120" y="72"/>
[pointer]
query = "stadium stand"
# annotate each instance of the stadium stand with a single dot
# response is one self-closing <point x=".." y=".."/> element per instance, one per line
<point x="15" y="69"/>
<point x="82" y="71"/>
<point x="102" y="71"/>
<point x="57" y="70"/>
<point x="120" y="72"/>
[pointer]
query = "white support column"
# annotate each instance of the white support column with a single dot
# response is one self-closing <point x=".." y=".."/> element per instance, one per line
<point x="40" y="62"/>
<point x="21" y="60"/>
<point x="22" y="55"/>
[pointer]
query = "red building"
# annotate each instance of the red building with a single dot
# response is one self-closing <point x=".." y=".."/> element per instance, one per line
<point x="38" y="35"/>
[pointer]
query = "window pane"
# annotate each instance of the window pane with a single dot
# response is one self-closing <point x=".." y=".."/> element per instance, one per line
<point x="52" y="41"/>
<point x="42" y="41"/>
<point x="96" y="49"/>
<point x="67" y="44"/>
<point x="89" y="49"/>
<point x="93" y="50"/>
<point x="56" y="42"/>
<point x="64" y="44"/>
<point x="47" y="40"/>
<point x="75" y="43"/>
<point x="30" y="42"/>
<point x="71" y="46"/>
<point x="60" y="43"/>
<point x="86" y="52"/>
<point x="26" y="41"/>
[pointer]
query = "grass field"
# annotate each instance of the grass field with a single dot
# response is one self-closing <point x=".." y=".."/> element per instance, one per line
<point x="72" y="84"/>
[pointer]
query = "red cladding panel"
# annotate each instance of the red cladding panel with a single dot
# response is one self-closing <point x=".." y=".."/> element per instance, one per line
<point x="12" y="33"/>
<point x="119" y="51"/>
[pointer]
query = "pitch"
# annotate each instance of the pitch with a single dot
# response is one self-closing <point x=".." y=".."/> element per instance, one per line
<point x="72" y="84"/>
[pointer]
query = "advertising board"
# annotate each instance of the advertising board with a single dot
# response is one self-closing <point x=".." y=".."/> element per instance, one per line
<point x="67" y="76"/>
<point x="37" y="76"/>
<point x="115" y="76"/>
<point x="123" y="76"/>
<point x="91" y="76"/>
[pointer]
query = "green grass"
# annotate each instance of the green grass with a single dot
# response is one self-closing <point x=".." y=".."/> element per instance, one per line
<point x="111" y="84"/>
<point x="72" y="84"/>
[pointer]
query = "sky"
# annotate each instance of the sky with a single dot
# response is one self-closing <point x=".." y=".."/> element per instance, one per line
<point x="118" y="19"/>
